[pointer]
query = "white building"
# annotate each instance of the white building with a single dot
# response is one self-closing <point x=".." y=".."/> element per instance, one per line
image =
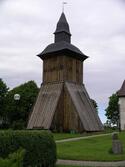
<point x="121" y="95"/>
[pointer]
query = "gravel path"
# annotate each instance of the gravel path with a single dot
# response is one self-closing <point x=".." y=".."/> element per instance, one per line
<point x="88" y="163"/>
<point x="79" y="138"/>
<point x="91" y="163"/>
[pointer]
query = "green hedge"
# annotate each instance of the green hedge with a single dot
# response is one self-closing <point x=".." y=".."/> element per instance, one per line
<point x="39" y="145"/>
<point x="13" y="160"/>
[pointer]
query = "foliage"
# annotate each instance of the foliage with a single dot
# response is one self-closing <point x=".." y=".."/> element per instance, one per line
<point x="109" y="129"/>
<point x="39" y="145"/>
<point x="90" y="149"/>
<point x="14" y="160"/>
<point x="112" y="111"/>
<point x="3" y="93"/>
<point x="95" y="104"/>
<point x="3" y="89"/>
<point x="18" y="111"/>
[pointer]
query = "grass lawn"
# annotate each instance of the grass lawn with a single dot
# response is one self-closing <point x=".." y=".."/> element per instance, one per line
<point x="60" y="136"/>
<point x="96" y="149"/>
<point x="67" y="166"/>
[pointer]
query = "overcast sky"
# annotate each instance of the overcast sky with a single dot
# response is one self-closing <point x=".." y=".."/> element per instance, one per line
<point x="98" y="30"/>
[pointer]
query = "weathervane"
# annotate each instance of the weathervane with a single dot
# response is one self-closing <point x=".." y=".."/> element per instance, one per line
<point x="63" y="4"/>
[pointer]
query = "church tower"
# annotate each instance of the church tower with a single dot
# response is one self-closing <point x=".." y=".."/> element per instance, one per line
<point x="63" y="103"/>
<point x="121" y="95"/>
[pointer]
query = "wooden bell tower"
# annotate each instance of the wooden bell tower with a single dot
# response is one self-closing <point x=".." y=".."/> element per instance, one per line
<point x="63" y="103"/>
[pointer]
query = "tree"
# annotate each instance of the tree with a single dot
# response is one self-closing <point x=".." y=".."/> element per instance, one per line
<point x="18" y="111"/>
<point x="3" y="93"/>
<point x="112" y="111"/>
<point x="95" y="105"/>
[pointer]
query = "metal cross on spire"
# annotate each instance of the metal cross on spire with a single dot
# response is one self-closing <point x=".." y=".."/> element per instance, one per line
<point x="63" y="4"/>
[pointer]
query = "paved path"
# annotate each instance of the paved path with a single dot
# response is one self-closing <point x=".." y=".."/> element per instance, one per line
<point x="91" y="163"/>
<point x="79" y="138"/>
<point x="88" y="163"/>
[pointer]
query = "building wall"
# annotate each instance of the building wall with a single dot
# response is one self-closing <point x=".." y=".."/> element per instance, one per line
<point x="62" y="68"/>
<point x="71" y="117"/>
<point x="122" y="112"/>
<point x="66" y="117"/>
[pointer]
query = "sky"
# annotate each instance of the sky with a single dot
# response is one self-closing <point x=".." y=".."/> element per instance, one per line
<point x="97" y="28"/>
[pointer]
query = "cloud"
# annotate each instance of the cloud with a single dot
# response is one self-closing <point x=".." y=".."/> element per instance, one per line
<point x="97" y="28"/>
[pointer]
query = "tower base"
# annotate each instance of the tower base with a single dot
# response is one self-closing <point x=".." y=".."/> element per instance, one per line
<point x="64" y="107"/>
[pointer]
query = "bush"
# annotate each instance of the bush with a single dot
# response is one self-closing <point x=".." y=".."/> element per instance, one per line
<point x="14" y="160"/>
<point x="39" y="145"/>
<point x="18" y="125"/>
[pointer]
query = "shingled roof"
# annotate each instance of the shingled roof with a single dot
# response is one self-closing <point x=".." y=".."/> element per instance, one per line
<point x="63" y="48"/>
<point x="62" y="43"/>
<point x="121" y="92"/>
<point x="48" y="100"/>
<point x="62" y="25"/>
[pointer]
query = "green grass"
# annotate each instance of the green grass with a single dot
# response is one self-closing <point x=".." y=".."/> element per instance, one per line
<point x="67" y="166"/>
<point x="96" y="149"/>
<point x="60" y="136"/>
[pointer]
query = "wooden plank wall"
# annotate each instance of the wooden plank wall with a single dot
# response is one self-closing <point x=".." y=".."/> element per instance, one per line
<point x="57" y="123"/>
<point x="66" y="117"/>
<point x="62" y="68"/>
<point x="45" y="106"/>
<point x="83" y="105"/>
<point x="71" y="117"/>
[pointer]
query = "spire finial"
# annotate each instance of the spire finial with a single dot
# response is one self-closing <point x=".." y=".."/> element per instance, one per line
<point x="63" y="4"/>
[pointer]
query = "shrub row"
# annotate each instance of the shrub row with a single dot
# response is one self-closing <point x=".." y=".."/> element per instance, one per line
<point x="39" y="146"/>
<point x="13" y="160"/>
